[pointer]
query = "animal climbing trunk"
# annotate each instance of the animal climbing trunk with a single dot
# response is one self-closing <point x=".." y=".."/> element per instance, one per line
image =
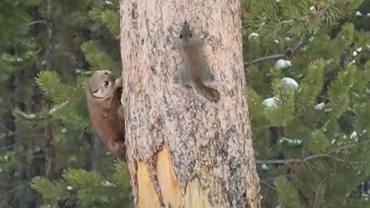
<point x="183" y="150"/>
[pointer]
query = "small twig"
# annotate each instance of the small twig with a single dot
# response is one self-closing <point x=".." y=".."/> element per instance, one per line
<point x="4" y="195"/>
<point x="342" y="148"/>
<point x="265" y="58"/>
<point x="318" y="191"/>
<point x="268" y="185"/>
<point x="80" y="71"/>
<point x="7" y="147"/>
<point x="278" y="161"/>
<point x="312" y="157"/>
<point x="10" y="133"/>
<point x="37" y="22"/>
<point x="288" y="52"/>
<point x="273" y="177"/>
<point x="300" y="45"/>
<point x="49" y="152"/>
<point x="40" y="116"/>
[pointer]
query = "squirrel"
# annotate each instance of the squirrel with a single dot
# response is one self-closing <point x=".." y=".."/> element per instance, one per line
<point x="105" y="110"/>
<point x="194" y="70"/>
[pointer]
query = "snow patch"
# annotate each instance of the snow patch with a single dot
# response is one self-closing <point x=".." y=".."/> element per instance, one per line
<point x="354" y="53"/>
<point x="283" y="63"/>
<point x="313" y="9"/>
<point x="265" y="167"/>
<point x="28" y="115"/>
<point x="320" y="106"/>
<point x="290" y="141"/>
<point x="354" y="136"/>
<point x="57" y="107"/>
<point x="271" y="102"/>
<point x="291" y="83"/>
<point x="107" y="184"/>
<point x="253" y="36"/>
<point x="329" y="61"/>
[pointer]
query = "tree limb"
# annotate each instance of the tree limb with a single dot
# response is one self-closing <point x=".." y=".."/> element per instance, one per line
<point x="311" y="157"/>
<point x="288" y="52"/>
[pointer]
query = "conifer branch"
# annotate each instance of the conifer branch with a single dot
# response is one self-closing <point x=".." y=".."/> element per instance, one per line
<point x="311" y="157"/>
<point x="288" y="52"/>
<point x="265" y="58"/>
<point x="37" y="22"/>
<point x="40" y="116"/>
<point x="4" y="148"/>
<point x="4" y="195"/>
<point x="8" y="134"/>
<point x="319" y="11"/>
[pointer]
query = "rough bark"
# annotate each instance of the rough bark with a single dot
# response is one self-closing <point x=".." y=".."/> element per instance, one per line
<point x="185" y="151"/>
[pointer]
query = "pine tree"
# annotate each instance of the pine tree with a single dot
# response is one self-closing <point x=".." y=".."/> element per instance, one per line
<point x="46" y="56"/>
<point x="307" y="65"/>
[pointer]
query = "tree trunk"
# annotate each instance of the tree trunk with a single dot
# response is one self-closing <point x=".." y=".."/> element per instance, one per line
<point x="184" y="151"/>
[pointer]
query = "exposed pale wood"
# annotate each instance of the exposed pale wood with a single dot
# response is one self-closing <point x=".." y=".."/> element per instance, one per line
<point x="203" y="149"/>
<point x="196" y="196"/>
<point x="147" y="196"/>
<point x="167" y="179"/>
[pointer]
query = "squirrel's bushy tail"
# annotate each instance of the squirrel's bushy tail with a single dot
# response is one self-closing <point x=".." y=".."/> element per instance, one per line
<point x="209" y="93"/>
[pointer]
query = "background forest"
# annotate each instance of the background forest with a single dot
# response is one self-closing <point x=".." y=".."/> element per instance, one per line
<point x="308" y="73"/>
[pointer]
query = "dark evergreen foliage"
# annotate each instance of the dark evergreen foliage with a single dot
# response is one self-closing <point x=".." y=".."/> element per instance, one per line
<point x="48" y="47"/>
<point x="307" y="66"/>
<point x="308" y="72"/>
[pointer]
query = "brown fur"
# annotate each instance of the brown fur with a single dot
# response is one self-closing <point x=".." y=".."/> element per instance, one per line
<point x="194" y="70"/>
<point x="105" y="110"/>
